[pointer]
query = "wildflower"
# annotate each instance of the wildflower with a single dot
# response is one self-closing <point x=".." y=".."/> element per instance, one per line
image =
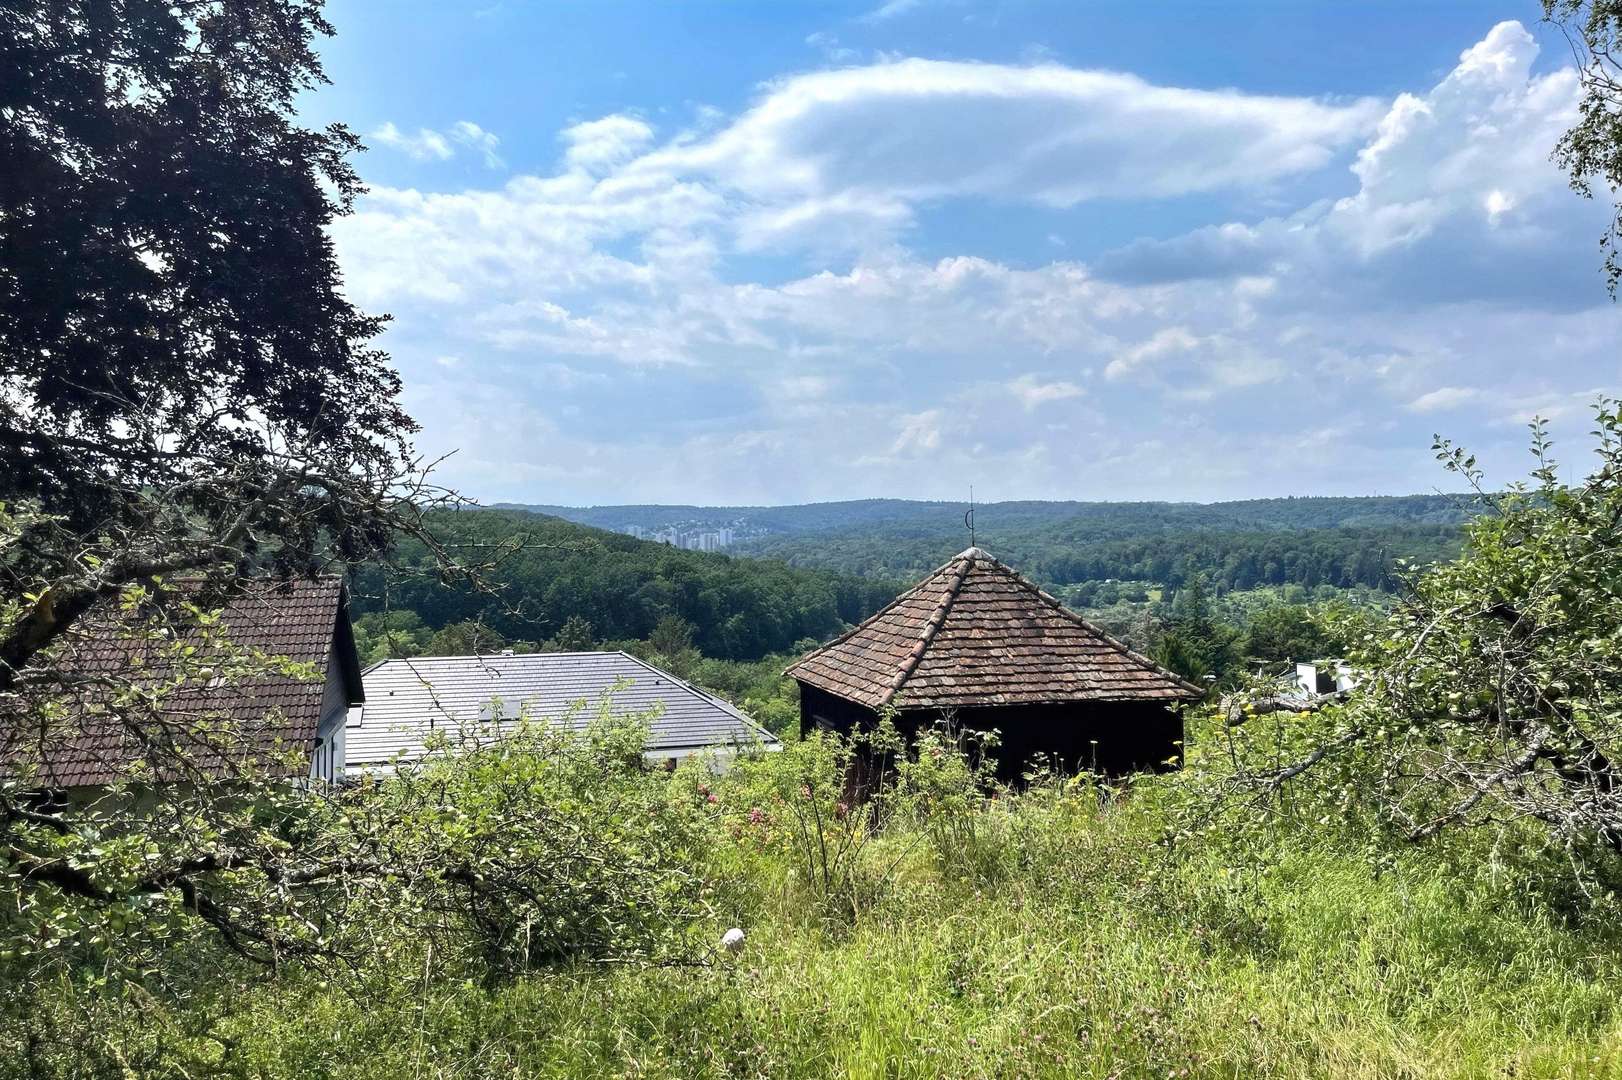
<point x="711" y="798"/>
<point x="757" y="816"/>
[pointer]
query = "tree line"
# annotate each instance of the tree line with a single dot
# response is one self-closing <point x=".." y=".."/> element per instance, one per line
<point x="613" y="587"/>
<point x="1292" y="512"/>
<point x="1171" y="555"/>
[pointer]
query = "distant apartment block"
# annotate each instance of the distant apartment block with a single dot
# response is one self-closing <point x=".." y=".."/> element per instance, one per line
<point x="693" y="539"/>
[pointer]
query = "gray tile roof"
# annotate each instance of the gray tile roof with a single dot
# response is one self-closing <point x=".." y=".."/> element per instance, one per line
<point x="406" y="700"/>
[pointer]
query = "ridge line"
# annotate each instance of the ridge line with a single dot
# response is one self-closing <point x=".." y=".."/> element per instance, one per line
<point x="937" y="619"/>
<point x="905" y="594"/>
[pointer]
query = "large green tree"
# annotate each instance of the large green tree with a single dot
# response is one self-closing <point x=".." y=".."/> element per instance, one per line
<point x="183" y="385"/>
<point x="185" y="395"/>
<point x="1493" y="693"/>
<point x="1592" y="150"/>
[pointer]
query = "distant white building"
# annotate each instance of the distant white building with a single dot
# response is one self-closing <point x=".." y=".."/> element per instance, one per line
<point x="409" y="700"/>
<point x="1319" y="677"/>
<point x="1316" y="683"/>
<point x="691" y="539"/>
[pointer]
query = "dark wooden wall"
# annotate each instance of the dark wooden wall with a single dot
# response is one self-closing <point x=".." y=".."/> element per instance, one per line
<point x="1108" y="737"/>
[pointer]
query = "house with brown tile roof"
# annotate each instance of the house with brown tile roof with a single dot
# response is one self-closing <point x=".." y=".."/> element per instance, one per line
<point x="976" y="642"/>
<point x="270" y="713"/>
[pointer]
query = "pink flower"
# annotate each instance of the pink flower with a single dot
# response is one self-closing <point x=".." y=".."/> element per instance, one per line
<point x="711" y="798"/>
<point x="757" y="816"/>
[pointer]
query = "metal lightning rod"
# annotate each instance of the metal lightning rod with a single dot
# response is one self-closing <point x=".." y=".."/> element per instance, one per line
<point x="968" y="518"/>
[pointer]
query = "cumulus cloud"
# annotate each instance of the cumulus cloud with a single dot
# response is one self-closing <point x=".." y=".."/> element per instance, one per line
<point x="1306" y="351"/>
<point x="1455" y="177"/>
<point x="596" y="145"/>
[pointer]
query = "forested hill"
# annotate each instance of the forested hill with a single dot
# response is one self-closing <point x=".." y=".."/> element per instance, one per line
<point x="739" y="608"/>
<point x="1287" y="513"/>
<point x="1314" y="541"/>
<point x="1313" y="512"/>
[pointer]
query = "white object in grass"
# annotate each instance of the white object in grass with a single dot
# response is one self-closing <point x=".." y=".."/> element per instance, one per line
<point x="732" y="940"/>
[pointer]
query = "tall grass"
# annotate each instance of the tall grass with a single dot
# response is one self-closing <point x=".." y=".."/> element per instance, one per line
<point x="1090" y="939"/>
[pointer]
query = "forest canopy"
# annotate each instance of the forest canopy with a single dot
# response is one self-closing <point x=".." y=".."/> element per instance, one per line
<point x="739" y="609"/>
<point x="1315" y="541"/>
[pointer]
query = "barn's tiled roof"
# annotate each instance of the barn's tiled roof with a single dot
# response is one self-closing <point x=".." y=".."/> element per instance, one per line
<point x="975" y="633"/>
<point x="259" y="717"/>
<point x="407" y="700"/>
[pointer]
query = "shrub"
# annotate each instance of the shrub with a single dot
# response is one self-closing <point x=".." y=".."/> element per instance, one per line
<point x="543" y="846"/>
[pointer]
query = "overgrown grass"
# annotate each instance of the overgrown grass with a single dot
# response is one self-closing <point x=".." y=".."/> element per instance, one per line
<point x="1085" y="943"/>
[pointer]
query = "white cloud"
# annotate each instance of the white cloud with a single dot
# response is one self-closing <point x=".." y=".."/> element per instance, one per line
<point x="425" y="145"/>
<point x="920" y="433"/>
<point x="1456" y="177"/>
<point x="891" y="134"/>
<point x="629" y="285"/>
<point x="890" y="9"/>
<point x="1167" y="341"/>
<point x="1445" y="397"/>
<point x="829" y="46"/>
<point x="475" y="138"/>
<point x="430" y="145"/>
<point x="1033" y="393"/>
<point x="596" y="145"/>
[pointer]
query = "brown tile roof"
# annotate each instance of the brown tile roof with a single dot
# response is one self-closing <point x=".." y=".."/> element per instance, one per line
<point x="975" y="633"/>
<point x="266" y="714"/>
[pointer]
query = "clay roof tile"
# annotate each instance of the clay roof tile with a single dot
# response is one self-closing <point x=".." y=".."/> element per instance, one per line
<point x="975" y="631"/>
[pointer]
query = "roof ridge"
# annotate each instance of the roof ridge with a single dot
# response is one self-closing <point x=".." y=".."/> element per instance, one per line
<point x="506" y="654"/>
<point x="1114" y="642"/>
<point x="905" y="594"/>
<point x="937" y="619"/>
<point x="701" y="693"/>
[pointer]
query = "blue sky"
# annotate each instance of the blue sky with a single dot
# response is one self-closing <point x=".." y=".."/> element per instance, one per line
<point x="747" y="253"/>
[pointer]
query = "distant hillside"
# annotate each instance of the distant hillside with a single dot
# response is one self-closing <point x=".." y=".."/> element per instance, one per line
<point x="740" y="608"/>
<point x="1291" y="513"/>
<point x="1311" y="541"/>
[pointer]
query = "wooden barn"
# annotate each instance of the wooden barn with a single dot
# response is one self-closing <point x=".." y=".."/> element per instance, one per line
<point x="978" y="642"/>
